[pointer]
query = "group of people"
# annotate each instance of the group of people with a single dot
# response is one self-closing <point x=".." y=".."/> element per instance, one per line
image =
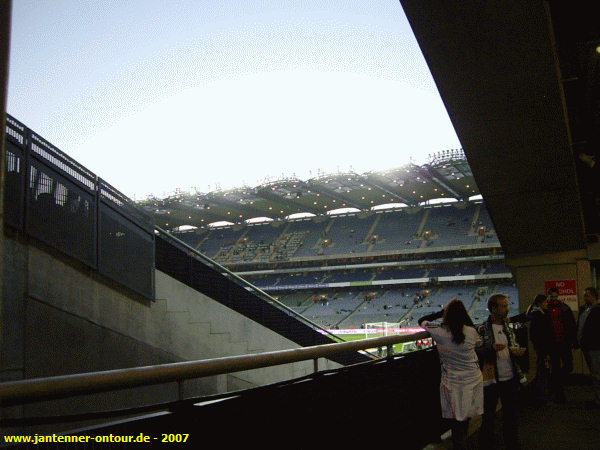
<point x="480" y="364"/>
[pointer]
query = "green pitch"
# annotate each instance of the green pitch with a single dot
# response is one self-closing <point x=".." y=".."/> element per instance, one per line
<point x="398" y="348"/>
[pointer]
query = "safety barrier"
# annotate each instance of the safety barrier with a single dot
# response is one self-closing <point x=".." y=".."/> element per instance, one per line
<point x="53" y="198"/>
<point x="38" y="389"/>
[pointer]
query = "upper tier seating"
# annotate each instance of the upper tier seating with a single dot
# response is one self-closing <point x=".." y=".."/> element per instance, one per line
<point x="314" y="233"/>
<point x="486" y="221"/>
<point x="397" y="230"/>
<point x="450" y="226"/>
<point x="496" y="267"/>
<point x="218" y="241"/>
<point x="345" y="235"/>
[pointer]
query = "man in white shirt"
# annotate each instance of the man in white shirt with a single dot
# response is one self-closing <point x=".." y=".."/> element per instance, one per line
<point x="501" y="373"/>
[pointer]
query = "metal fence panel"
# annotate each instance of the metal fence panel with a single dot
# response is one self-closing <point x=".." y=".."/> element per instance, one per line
<point x="125" y="206"/>
<point x="60" y="213"/>
<point x="172" y="260"/>
<point x="14" y="203"/>
<point x="53" y="198"/>
<point x="125" y="251"/>
<point x="14" y="184"/>
<point x="61" y="163"/>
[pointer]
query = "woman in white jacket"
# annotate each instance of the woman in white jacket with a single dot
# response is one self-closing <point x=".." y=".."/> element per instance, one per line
<point x="461" y="386"/>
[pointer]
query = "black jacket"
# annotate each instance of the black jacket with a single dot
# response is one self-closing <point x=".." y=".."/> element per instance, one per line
<point x="590" y="338"/>
<point x="540" y="331"/>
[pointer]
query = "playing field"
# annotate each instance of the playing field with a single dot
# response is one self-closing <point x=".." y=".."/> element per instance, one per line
<point x="398" y="348"/>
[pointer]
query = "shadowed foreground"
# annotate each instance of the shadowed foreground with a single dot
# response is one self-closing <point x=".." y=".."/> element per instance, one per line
<point x="554" y="426"/>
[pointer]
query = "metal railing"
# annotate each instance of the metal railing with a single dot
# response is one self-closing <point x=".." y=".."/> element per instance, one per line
<point x="64" y="386"/>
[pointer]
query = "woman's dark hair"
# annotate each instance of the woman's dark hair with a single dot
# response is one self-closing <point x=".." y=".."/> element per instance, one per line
<point x="455" y="317"/>
<point x="539" y="299"/>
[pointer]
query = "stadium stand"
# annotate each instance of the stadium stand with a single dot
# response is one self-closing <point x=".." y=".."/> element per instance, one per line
<point x="450" y="226"/>
<point x="437" y="227"/>
<point x="485" y="221"/>
<point x="214" y="243"/>
<point x="397" y="230"/>
<point x="496" y="267"/>
<point x="391" y="266"/>
<point x="369" y="264"/>
<point x="348" y="234"/>
<point x="312" y="230"/>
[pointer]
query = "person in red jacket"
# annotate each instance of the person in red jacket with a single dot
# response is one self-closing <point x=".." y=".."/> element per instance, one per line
<point x="564" y="338"/>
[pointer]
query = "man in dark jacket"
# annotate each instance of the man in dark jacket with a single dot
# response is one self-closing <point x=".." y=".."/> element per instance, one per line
<point x="588" y="335"/>
<point x="540" y="333"/>
<point x="564" y="338"/>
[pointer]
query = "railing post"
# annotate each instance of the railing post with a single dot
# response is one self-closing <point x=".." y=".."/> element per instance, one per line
<point x="316" y="365"/>
<point x="390" y="351"/>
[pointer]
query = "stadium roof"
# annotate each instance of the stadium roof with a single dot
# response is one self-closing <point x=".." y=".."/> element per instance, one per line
<point x="521" y="84"/>
<point x="446" y="176"/>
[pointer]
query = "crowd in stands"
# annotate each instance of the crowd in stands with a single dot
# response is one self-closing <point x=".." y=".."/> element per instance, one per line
<point x="352" y="308"/>
<point x="370" y="233"/>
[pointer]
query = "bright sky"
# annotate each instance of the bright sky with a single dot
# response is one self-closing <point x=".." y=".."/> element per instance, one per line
<point x="154" y="95"/>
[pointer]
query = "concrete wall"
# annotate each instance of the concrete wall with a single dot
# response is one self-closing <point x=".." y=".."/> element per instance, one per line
<point x="59" y="318"/>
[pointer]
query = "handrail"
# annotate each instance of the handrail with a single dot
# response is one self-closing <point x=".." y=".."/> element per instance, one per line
<point x="246" y="284"/>
<point x="38" y="389"/>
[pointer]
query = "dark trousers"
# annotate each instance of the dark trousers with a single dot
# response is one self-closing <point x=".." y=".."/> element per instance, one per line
<point x="542" y="380"/>
<point x="507" y="392"/>
<point x="459" y="434"/>
<point x="561" y="360"/>
<point x="592" y="358"/>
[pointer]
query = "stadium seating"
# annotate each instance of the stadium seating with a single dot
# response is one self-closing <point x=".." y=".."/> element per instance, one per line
<point x="353" y="308"/>
<point x="397" y="230"/>
<point x="331" y="298"/>
<point x="496" y="267"/>
<point x="450" y="226"/>
<point x="314" y="231"/>
<point x="485" y="220"/>
<point x="358" y="275"/>
<point x="331" y="309"/>
<point x="347" y="234"/>
<point x="214" y="241"/>
<point x="394" y="230"/>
